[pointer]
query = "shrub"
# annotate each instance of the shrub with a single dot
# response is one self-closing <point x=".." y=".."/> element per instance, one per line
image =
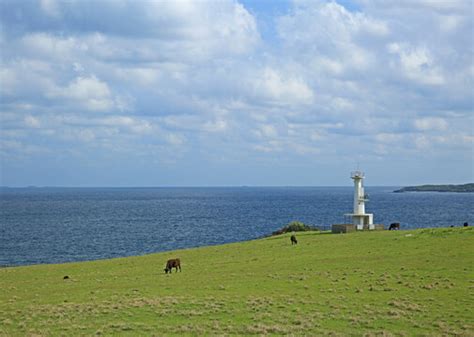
<point x="295" y="226"/>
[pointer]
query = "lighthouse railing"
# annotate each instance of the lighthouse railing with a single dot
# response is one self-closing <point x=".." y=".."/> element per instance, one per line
<point x="357" y="174"/>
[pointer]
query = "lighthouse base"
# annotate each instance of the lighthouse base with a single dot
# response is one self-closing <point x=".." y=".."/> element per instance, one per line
<point x="363" y="221"/>
<point x="348" y="228"/>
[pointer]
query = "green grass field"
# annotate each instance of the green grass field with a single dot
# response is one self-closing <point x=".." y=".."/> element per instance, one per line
<point x="387" y="283"/>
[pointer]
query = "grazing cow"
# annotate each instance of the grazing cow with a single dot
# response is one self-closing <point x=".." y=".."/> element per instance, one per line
<point x="173" y="263"/>
<point x="293" y="240"/>
<point x="466" y="224"/>
<point x="66" y="277"/>
<point x="394" y="226"/>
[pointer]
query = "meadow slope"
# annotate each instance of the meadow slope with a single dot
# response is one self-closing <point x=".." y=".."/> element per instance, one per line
<point x="400" y="283"/>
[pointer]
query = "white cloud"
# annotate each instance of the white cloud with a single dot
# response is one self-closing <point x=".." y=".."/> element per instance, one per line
<point x="389" y="138"/>
<point x="50" y="7"/>
<point x="273" y="86"/>
<point x="87" y="88"/>
<point x="134" y="125"/>
<point x="21" y="150"/>
<point x="450" y="23"/>
<point x="329" y="35"/>
<point x="32" y="122"/>
<point x="50" y="46"/>
<point x="78" y="68"/>
<point x="85" y="135"/>
<point x="175" y="139"/>
<point x="142" y="76"/>
<point x="266" y="131"/>
<point x="218" y="125"/>
<point x="421" y="5"/>
<point x="305" y="150"/>
<point x="91" y="93"/>
<point x="417" y="64"/>
<point x="431" y="123"/>
<point x="8" y="80"/>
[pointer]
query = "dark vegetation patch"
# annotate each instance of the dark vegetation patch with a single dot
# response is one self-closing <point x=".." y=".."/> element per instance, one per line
<point x="295" y="226"/>
<point x="464" y="188"/>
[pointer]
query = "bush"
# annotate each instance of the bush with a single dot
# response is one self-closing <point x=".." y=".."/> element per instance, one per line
<point x="294" y="226"/>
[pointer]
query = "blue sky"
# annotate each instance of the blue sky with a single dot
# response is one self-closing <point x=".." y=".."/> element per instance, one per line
<point x="230" y="93"/>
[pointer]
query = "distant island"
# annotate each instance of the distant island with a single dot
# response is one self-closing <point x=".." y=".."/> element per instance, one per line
<point x="465" y="188"/>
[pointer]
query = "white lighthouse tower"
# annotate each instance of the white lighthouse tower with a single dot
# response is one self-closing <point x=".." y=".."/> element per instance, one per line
<point x="360" y="219"/>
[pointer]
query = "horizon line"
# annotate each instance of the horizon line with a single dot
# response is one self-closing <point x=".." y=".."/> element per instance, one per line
<point x="179" y="186"/>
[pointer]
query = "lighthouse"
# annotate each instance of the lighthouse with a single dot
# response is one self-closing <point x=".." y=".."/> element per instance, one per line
<point x="360" y="219"/>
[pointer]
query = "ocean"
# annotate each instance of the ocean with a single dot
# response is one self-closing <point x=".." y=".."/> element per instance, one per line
<point x="56" y="225"/>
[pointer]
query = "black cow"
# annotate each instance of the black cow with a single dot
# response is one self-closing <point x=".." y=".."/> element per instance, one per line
<point x="293" y="240"/>
<point x="394" y="226"/>
<point x="173" y="263"/>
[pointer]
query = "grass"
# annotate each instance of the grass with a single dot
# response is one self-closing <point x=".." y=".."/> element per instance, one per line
<point x="387" y="283"/>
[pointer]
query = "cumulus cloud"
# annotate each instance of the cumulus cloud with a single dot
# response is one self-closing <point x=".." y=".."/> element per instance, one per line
<point x="270" y="85"/>
<point x="417" y="64"/>
<point x="32" y="122"/>
<point x="92" y="93"/>
<point x="431" y="123"/>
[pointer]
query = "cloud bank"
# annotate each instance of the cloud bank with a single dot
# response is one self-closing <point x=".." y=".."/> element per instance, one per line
<point x="193" y="93"/>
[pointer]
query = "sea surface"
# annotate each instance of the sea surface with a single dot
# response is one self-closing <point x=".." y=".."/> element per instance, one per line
<point x="55" y="225"/>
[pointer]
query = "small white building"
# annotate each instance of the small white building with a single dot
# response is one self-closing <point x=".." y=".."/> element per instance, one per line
<point x="360" y="219"/>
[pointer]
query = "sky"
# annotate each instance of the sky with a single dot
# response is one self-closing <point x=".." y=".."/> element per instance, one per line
<point x="236" y="93"/>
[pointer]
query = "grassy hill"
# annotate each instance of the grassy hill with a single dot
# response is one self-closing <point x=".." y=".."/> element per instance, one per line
<point x="398" y="283"/>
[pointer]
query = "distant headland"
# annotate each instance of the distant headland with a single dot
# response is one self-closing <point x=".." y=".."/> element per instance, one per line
<point x="465" y="188"/>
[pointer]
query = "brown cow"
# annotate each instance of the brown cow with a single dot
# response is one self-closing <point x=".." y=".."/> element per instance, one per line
<point x="172" y="263"/>
<point x="293" y="240"/>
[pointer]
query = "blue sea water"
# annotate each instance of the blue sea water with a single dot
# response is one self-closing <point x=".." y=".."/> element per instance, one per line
<point x="55" y="225"/>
